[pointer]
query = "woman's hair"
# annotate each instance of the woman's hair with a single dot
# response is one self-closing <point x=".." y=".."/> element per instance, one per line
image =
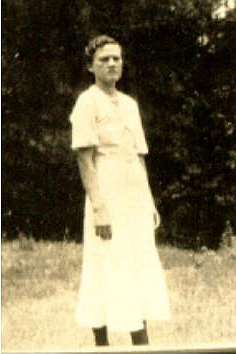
<point x="95" y="43"/>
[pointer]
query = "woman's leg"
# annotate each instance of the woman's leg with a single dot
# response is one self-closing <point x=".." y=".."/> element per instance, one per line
<point x="100" y="335"/>
<point x="140" y="337"/>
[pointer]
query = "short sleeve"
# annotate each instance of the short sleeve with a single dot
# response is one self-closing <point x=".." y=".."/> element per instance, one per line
<point x="140" y="140"/>
<point x="83" y="122"/>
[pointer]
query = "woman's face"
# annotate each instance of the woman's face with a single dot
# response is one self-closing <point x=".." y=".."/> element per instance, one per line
<point x="107" y="64"/>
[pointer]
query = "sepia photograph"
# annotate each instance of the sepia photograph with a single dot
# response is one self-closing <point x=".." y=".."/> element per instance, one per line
<point x="118" y="176"/>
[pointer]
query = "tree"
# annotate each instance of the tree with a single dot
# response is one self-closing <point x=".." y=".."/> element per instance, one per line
<point x="179" y="64"/>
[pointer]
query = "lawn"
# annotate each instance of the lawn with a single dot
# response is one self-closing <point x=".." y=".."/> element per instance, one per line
<point x="39" y="288"/>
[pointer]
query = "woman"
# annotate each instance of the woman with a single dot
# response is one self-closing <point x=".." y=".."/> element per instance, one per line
<point x="122" y="283"/>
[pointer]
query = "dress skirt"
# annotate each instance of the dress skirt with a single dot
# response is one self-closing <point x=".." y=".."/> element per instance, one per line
<point x="122" y="280"/>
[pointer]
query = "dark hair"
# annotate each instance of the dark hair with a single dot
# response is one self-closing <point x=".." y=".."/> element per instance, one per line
<point x="97" y="42"/>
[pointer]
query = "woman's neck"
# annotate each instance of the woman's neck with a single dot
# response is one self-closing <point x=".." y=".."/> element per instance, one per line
<point x="108" y="88"/>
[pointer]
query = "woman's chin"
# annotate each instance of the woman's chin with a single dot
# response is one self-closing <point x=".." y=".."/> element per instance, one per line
<point x="113" y="80"/>
<point x="113" y="77"/>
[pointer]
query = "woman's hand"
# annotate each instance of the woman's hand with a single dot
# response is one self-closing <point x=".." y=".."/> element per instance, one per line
<point x="103" y="231"/>
<point x="157" y="219"/>
<point x="156" y="215"/>
<point x="102" y="223"/>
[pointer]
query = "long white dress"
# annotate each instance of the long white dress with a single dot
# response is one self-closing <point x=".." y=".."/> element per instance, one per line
<point x="122" y="279"/>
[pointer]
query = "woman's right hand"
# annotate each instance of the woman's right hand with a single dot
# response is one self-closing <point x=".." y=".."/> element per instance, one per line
<point x="102" y="223"/>
<point x="103" y="231"/>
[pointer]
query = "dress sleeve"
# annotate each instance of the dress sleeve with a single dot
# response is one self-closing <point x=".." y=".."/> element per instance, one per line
<point x="140" y="140"/>
<point x="83" y="123"/>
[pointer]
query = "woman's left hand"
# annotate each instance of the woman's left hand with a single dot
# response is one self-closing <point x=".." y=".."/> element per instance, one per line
<point x="157" y="219"/>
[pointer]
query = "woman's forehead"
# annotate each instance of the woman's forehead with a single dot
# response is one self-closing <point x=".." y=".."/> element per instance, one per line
<point x="111" y="49"/>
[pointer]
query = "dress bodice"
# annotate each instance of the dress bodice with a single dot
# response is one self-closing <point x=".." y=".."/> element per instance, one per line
<point x="111" y="124"/>
<point x="115" y="129"/>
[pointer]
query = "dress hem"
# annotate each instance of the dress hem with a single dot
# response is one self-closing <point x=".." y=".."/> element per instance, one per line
<point x="122" y="328"/>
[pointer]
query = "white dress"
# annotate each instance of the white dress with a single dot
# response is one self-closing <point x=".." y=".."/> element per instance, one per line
<point x="122" y="280"/>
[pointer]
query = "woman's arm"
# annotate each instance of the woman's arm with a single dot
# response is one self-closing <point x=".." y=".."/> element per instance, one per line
<point x="90" y="183"/>
<point x="155" y="212"/>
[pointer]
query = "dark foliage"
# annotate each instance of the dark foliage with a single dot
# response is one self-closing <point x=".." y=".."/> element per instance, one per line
<point x="180" y="65"/>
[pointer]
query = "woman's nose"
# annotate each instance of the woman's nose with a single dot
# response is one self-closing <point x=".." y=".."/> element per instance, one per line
<point x="111" y="62"/>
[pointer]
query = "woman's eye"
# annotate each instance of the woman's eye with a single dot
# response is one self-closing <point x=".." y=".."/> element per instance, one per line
<point x="106" y="59"/>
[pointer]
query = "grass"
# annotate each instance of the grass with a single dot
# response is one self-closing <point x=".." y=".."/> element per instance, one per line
<point x="39" y="288"/>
